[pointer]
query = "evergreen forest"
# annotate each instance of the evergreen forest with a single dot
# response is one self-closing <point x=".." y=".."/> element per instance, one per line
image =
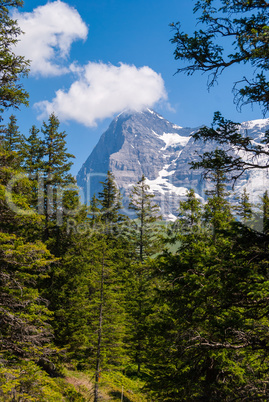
<point x="95" y="305"/>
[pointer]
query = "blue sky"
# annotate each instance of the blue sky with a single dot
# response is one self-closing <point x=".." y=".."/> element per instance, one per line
<point x="92" y="59"/>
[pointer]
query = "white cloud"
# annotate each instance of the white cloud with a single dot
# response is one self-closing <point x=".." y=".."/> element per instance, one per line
<point x="102" y="90"/>
<point x="49" y="31"/>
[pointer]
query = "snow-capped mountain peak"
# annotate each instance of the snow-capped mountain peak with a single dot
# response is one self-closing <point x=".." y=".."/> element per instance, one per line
<point x="146" y="143"/>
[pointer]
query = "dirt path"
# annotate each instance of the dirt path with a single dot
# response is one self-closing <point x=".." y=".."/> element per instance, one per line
<point x="85" y="387"/>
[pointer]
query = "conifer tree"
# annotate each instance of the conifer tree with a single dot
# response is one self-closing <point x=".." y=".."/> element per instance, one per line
<point x="56" y="170"/>
<point x="13" y="140"/>
<point x="57" y="159"/>
<point x="144" y="228"/>
<point x="190" y="229"/>
<point x="244" y="209"/>
<point x="33" y="153"/>
<point x="94" y="210"/>
<point x="110" y="201"/>
<point x="107" y="295"/>
<point x="217" y="209"/>
<point x="190" y="215"/>
<point x="144" y="239"/>
<point x="12" y="67"/>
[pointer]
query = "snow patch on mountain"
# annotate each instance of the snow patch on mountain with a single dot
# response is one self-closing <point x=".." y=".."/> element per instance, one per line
<point x="163" y="184"/>
<point x="156" y="114"/>
<point x="258" y="123"/>
<point x="172" y="140"/>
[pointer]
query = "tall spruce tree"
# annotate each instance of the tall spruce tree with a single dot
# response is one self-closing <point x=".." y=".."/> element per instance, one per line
<point x="110" y="201"/>
<point x="13" y="140"/>
<point x="189" y="214"/>
<point x="94" y="211"/>
<point x="33" y="163"/>
<point x="144" y="239"/>
<point x="107" y="293"/>
<point x="33" y="153"/>
<point x="147" y="214"/>
<point x="244" y="208"/>
<point x="56" y="170"/>
<point x="218" y="210"/>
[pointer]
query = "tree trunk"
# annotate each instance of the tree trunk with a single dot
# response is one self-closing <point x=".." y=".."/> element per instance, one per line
<point x="99" y="342"/>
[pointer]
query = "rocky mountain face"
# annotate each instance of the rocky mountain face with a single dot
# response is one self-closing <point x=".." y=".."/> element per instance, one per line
<point x="145" y="143"/>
